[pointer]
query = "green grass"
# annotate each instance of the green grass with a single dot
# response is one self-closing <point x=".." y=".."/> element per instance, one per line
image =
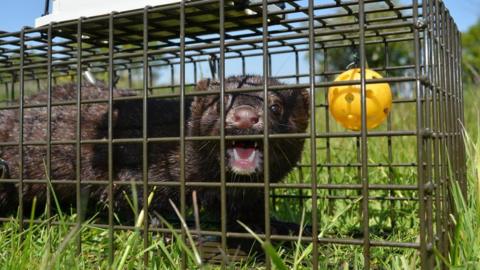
<point x="464" y="253"/>
<point x="40" y="246"/>
<point x="465" y="250"/>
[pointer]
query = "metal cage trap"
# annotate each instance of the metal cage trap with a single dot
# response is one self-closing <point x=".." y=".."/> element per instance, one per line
<point x="365" y="190"/>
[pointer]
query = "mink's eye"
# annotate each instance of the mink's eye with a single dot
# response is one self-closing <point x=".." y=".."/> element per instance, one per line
<point x="276" y="109"/>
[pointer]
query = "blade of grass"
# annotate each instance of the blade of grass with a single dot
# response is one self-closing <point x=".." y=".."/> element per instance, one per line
<point x="298" y="244"/>
<point x="198" y="259"/>
<point x="268" y="248"/>
<point x="133" y="235"/>
<point x="178" y="239"/>
<point x="54" y="195"/>
<point x="309" y="248"/>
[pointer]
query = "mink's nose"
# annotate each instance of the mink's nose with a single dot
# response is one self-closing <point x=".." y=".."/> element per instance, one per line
<point x="245" y="117"/>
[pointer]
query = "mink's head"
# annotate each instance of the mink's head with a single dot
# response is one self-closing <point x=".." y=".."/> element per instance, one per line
<point x="244" y="115"/>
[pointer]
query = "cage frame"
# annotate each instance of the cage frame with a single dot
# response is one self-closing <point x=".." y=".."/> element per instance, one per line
<point x="438" y="101"/>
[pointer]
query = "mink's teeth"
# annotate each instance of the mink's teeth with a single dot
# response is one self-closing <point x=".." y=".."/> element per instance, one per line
<point x="252" y="156"/>
<point x="235" y="154"/>
<point x="256" y="144"/>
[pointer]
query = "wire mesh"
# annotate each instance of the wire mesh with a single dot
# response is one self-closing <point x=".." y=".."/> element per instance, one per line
<point x="70" y="88"/>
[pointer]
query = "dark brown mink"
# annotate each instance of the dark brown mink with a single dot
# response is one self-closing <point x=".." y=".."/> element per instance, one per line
<point x="63" y="156"/>
<point x="243" y="159"/>
<point x="288" y="113"/>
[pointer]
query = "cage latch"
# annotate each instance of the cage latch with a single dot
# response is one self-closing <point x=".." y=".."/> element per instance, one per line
<point x="421" y="24"/>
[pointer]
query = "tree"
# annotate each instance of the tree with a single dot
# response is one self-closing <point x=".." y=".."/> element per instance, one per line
<point x="471" y="54"/>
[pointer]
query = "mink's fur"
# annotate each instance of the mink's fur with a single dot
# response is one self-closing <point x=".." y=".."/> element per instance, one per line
<point x="202" y="158"/>
<point x="63" y="156"/>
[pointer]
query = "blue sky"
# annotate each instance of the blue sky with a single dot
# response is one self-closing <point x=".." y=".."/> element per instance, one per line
<point x="464" y="12"/>
<point x="15" y="14"/>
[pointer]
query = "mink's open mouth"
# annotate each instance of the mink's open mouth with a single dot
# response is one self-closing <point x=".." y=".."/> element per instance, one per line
<point x="244" y="157"/>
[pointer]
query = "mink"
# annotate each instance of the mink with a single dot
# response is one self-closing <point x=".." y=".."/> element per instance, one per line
<point x="244" y="159"/>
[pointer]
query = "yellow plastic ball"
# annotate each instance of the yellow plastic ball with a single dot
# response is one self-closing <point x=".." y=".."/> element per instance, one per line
<point x="345" y="102"/>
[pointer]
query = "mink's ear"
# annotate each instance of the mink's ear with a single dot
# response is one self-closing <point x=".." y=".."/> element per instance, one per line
<point x="298" y="120"/>
<point x="306" y="99"/>
<point x="197" y="107"/>
<point x="198" y="104"/>
<point x="203" y="85"/>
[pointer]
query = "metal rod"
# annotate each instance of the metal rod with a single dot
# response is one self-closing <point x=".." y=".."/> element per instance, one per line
<point x="46" y="9"/>
<point x="223" y="180"/>
<point x="111" y="78"/>
<point x="146" y="80"/>
<point x="21" y="129"/>
<point x="182" y="157"/>
<point x="420" y="142"/>
<point x="313" y="139"/>
<point x="363" y="138"/>
<point x="78" y="138"/>
<point x="48" y="165"/>
<point x="266" y="142"/>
